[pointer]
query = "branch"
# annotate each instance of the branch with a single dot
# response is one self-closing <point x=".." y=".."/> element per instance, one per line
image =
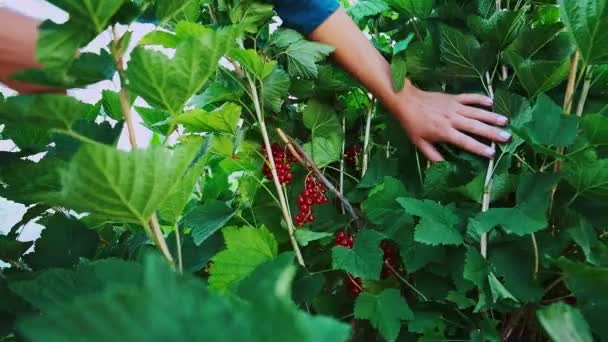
<point x="273" y="170"/>
<point x="159" y="238"/>
<point x="487" y="185"/>
<point x="308" y="163"/>
<point x="584" y="93"/>
<point x="368" y="125"/>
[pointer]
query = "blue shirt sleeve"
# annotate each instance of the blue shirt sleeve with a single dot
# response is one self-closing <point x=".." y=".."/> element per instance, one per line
<point x="305" y="16"/>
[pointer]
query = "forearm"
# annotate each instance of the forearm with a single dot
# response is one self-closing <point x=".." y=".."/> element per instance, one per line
<point x="18" y="49"/>
<point x="357" y="56"/>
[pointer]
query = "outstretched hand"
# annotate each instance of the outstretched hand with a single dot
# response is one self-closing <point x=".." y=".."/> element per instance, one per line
<point x="431" y="117"/>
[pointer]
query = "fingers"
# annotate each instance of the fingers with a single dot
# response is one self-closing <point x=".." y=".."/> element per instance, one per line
<point x="483" y="115"/>
<point x="474" y="99"/>
<point x="469" y="144"/>
<point x="481" y="129"/>
<point x="429" y="151"/>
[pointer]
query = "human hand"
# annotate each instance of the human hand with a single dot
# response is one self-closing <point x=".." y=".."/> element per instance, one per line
<point x="431" y="117"/>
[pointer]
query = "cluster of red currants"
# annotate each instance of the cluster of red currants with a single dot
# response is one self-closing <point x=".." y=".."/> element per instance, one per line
<point x="344" y="239"/>
<point x="353" y="285"/>
<point x="314" y="193"/>
<point x="351" y="155"/>
<point x="391" y="257"/>
<point x="282" y="162"/>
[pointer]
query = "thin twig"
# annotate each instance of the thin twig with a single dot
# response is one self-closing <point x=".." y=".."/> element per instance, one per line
<point x="178" y="245"/>
<point x="342" y="160"/>
<point x="392" y="269"/>
<point x="368" y="127"/>
<point x="308" y="163"/>
<point x="487" y="187"/>
<point x="273" y="171"/>
<point x="584" y="93"/>
<point x="536" y="256"/>
<point x="159" y="238"/>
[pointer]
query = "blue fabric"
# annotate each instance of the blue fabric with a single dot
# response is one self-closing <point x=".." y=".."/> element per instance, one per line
<point x="305" y="16"/>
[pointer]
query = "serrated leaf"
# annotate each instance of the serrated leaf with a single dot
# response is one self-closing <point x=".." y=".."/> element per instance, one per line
<point x="549" y="126"/>
<point x="588" y="284"/>
<point x="324" y="150"/>
<point x="321" y="119"/>
<point x="168" y="10"/>
<point x="587" y="174"/>
<point x="302" y="55"/>
<point x="534" y="39"/>
<point x="367" y="8"/>
<point x="463" y="54"/>
<point x="12" y="250"/>
<point x="275" y="89"/>
<point x="385" y="311"/>
<point x="501" y="28"/>
<point x="416" y="8"/>
<point x="156" y="120"/>
<point x="585" y="19"/>
<point x="498" y="290"/>
<point x="564" y="323"/>
<point x="253" y="63"/>
<point x="123" y="186"/>
<point x="461" y="301"/>
<point x="398" y="72"/>
<point x="305" y="236"/>
<point x="206" y="219"/>
<point x="476" y="268"/>
<point x="364" y="260"/>
<point x="62" y="243"/>
<point x="595" y="128"/>
<point x="90" y="14"/>
<point x="520" y="220"/>
<point x="583" y="234"/>
<point x="381" y="206"/>
<point x="48" y="111"/>
<point x="246" y="248"/>
<point x="221" y="120"/>
<point x="437" y="224"/>
<point x="249" y="15"/>
<point x="169" y="83"/>
<point x="538" y="76"/>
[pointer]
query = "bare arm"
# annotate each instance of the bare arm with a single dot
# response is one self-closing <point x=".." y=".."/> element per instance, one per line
<point x="427" y="117"/>
<point x="18" y="36"/>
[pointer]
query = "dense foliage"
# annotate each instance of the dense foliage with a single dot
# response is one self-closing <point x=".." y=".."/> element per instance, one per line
<point x="210" y="238"/>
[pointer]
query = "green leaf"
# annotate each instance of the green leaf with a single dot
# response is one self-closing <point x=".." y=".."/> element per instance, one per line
<point x="56" y="287"/>
<point x="89" y="14"/>
<point x="595" y="128"/>
<point x="12" y="250"/>
<point x="57" y="44"/>
<point x="364" y="260"/>
<point x="47" y="111"/>
<point x="62" y="243"/>
<point x="324" y="150"/>
<point x="588" y="284"/>
<point x="585" y="237"/>
<point x="177" y="10"/>
<point x="367" y="8"/>
<point x="304" y="236"/>
<point x="398" y="72"/>
<point x="321" y="119"/>
<point x="521" y="220"/>
<point x="538" y="76"/>
<point x="111" y="104"/>
<point x="462" y="301"/>
<point x="416" y="8"/>
<point x="155" y="120"/>
<point x="131" y="311"/>
<point x="206" y="219"/>
<point x="498" y="290"/>
<point x="530" y="42"/>
<point x="587" y="174"/>
<point x="438" y="223"/>
<point x="385" y="311"/>
<point x="123" y="186"/>
<point x="275" y="89"/>
<point x="501" y="28"/>
<point x="250" y="15"/>
<point x="169" y="83"/>
<point x="221" y="120"/>
<point x="252" y="62"/>
<point x="585" y="19"/>
<point x="549" y="126"/>
<point x="476" y="268"/>
<point x="162" y="38"/>
<point x="463" y="54"/>
<point x="381" y="206"/>
<point x="302" y="55"/>
<point x="246" y="248"/>
<point x="564" y="323"/>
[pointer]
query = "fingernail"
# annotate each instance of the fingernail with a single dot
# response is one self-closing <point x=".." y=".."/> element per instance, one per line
<point x="502" y="119"/>
<point x="504" y="135"/>
<point x="488" y="101"/>
<point x="490" y="152"/>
